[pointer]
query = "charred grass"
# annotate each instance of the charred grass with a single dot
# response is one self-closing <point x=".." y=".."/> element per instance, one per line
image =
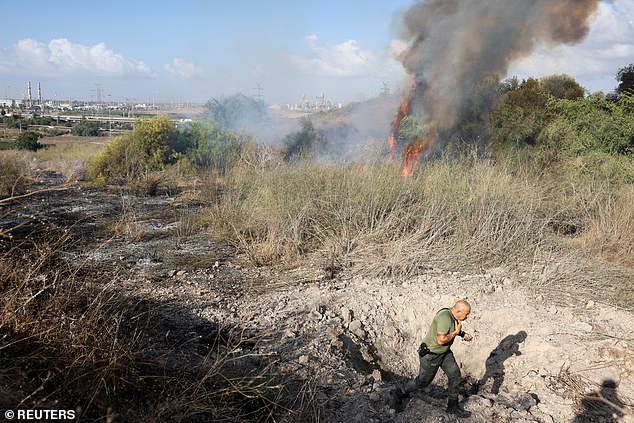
<point x="72" y="338"/>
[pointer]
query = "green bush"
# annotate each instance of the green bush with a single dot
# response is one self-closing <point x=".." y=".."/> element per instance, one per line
<point x="210" y="147"/>
<point x="28" y="140"/>
<point x="303" y="142"/>
<point x="83" y="128"/>
<point x="148" y="148"/>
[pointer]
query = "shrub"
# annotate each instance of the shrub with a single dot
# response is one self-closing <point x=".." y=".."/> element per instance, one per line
<point x="83" y="128"/>
<point x="212" y="148"/>
<point x="28" y="140"/>
<point x="302" y="142"/>
<point x="519" y="117"/>
<point x="13" y="176"/>
<point x="148" y="148"/>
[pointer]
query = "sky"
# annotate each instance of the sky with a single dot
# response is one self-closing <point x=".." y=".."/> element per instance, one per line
<point x="195" y="50"/>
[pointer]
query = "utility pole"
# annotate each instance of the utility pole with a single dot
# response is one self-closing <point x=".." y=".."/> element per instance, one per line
<point x="385" y="91"/>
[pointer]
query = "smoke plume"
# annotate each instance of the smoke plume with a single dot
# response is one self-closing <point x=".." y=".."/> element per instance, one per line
<point x="453" y="44"/>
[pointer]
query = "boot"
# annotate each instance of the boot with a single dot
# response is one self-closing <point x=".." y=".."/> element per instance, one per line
<point x="454" y="407"/>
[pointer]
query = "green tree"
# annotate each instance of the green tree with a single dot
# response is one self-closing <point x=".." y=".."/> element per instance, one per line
<point x="301" y="142"/>
<point x="562" y="86"/>
<point x="625" y="78"/>
<point x="519" y="117"/>
<point x="235" y="112"/>
<point x="28" y="140"/>
<point x="210" y="147"/>
<point x="84" y="128"/>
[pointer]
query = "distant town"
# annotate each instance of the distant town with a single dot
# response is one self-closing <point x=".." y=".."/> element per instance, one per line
<point x="34" y="103"/>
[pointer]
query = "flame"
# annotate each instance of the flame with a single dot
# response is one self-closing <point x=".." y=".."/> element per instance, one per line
<point x="414" y="151"/>
<point x="403" y="111"/>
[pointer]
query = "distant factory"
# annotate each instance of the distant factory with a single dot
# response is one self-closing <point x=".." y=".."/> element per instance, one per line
<point x="321" y="104"/>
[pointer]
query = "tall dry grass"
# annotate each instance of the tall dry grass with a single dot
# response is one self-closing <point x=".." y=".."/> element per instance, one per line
<point x="377" y="222"/>
<point x="456" y="213"/>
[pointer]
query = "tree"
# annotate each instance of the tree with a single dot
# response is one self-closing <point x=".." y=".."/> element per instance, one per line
<point x="562" y="86"/>
<point x="28" y="140"/>
<point x="301" y="142"/>
<point x="83" y="128"/>
<point x="519" y="117"/>
<point x="625" y="77"/>
<point x="212" y="148"/>
<point x="235" y="112"/>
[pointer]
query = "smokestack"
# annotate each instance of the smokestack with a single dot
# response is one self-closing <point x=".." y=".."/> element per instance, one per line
<point x="39" y="95"/>
<point x="455" y="44"/>
<point x="28" y="93"/>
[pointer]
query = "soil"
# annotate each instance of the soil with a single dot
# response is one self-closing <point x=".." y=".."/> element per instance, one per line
<point x="538" y="354"/>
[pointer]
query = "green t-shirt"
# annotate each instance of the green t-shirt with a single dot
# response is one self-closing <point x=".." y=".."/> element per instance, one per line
<point x="444" y="322"/>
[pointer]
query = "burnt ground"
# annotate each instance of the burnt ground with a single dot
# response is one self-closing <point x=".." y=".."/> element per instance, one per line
<point x="532" y="360"/>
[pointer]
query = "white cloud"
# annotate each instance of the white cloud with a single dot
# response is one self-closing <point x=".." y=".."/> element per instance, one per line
<point x="63" y="57"/>
<point x="183" y="68"/>
<point x="344" y="59"/>
<point x="595" y="61"/>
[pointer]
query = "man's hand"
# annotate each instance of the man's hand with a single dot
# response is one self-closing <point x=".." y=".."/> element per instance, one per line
<point x="467" y="337"/>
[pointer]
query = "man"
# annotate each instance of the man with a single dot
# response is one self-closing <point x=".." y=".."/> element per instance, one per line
<point x="435" y="353"/>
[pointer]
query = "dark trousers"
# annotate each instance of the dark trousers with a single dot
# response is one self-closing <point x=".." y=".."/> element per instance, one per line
<point x="429" y="365"/>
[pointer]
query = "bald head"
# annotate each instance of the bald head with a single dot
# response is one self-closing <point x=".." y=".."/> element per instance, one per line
<point x="461" y="310"/>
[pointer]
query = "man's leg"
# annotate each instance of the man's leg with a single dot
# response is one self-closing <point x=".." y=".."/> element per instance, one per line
<point x="429" y="365"/>
<point x="451" y="369"/>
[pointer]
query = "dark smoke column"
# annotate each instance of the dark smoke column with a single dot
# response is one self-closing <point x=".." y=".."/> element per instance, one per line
<point x="453" y="44"/>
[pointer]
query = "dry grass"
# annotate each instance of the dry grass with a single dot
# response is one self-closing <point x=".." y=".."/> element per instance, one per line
<point x="372" y="219"/>
<point x="70" y="338"/>
<point x="15" y="175"/>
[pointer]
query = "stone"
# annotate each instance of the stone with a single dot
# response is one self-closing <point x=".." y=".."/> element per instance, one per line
<point x="376" y="375"/>
<point x="181" y="273"/>
<point x="356" y="327"/>
<point x="303" y="359"/>
<point x="589" y="304"/>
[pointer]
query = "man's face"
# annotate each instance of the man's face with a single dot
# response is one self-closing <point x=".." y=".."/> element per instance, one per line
<point x="463" y="313"/>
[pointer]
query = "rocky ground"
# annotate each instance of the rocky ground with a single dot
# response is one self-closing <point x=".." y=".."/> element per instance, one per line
<point x="539" y="354"/>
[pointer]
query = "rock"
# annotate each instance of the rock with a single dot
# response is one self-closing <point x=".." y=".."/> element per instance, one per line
<point x="303" y="359"/>
<point x="589" y="304"/>
<point x="376" y="375"/>
<point x="356" y="327"/>
<point x="316" y="315"/>
<point x="347" y="314"/>
<point x="181" y="273"/>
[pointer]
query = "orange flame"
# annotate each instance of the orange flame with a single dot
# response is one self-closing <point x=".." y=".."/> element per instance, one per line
<point x="403" y="111"/>
<point x="414" y="151"/>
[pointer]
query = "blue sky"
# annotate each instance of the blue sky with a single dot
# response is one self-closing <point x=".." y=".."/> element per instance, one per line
<point x="196" y="50"/>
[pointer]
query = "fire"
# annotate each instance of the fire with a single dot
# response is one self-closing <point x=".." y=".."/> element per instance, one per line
<point x="403" y="111"/>
<point x="416" y="147"/>
<point x="414" y="151"/>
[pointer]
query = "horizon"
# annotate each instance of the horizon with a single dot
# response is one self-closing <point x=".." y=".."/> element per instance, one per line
<point x="191" y="52"/>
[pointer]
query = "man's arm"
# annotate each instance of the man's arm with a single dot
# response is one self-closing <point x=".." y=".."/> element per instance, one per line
<point x="445" y="338"/>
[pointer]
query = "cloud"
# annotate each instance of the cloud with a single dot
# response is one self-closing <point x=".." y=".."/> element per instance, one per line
<point x="344" y="59"/>
<point x="184" y="69"/>
<point x="608" y="46"/>
<point x="62" y="57"/>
